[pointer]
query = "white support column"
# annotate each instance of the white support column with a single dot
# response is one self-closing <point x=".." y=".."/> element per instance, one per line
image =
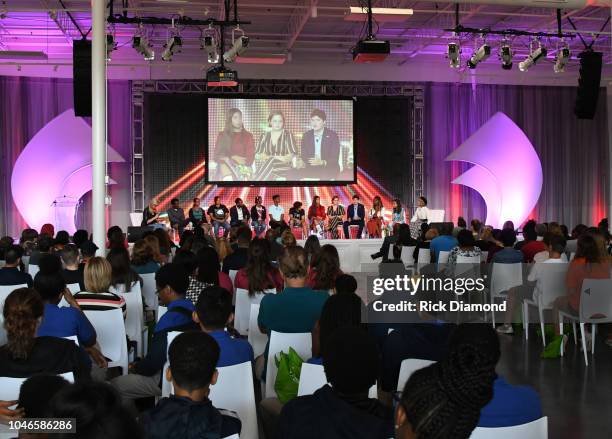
<point x="98" y="122"/>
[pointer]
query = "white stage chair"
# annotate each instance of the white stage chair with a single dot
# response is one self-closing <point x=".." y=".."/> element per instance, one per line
<point x="553" y="286"/>
<point x="407" y="368"/>
<point x="442" y="257"/>
<point x="134" y="319"/>
<point x="504" y="277"/>
<point x="595" y="307"/>
<point x="5" y="290"/>
<point x="532" y="430"/>
<point x="436" y="216"/>
<point x="243" y="308"/>
<point x="167" y="388"/>
<point x="301" y="342"/>
<point x="110" y="331"/>
<point x="234" y="391"/>
<point x="312" y="378"/>
<point x="149" y="291"/>
<point x="257" y="339"/>
<point x="32" y="270"/>
<point x="136" y="218"/>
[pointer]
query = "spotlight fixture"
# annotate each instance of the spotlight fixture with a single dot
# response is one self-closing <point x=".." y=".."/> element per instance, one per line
<point x="111" y="45"/>
<point x="209" y="44"/>
<point x="562" y="58"/>
<point x="239" y="45"/>
<point x="142" y="46"/>
<point x="479" y="56"/>
<point x="174" y="44"/>
<point x="454" y="55"/>
<point x="505" y="55"/>
<point x="533" y="57"/>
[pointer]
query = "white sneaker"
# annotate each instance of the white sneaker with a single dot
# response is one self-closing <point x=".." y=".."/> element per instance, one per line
<point x="505" y="329"/>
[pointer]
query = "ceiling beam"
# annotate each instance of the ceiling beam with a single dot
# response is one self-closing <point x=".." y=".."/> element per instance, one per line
<point x="298" y="20"/>
<point x="61" y="20"/>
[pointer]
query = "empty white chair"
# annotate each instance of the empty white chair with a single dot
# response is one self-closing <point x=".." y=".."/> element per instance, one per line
<point x="406" y="256"/>
<point x="537" y="429"/>
<point x="110" y="331"/>
<point x="442" y="257"/>
<point x="436" y="216"/>
<point x="553" y="286"/>
<point x="234" y="391"/>
<point x="149" y="291"/>
<point x="407" y="368"/>
<point x="167" y="387"/>
<point x="134" y="319"/>
<point x="243" y="308"/>
<point x="301" y="343"/>
<point x="504" y="277"/>
<point x="5" y="290"/>
<point x="467" y="263"/>
<point x="33" y="269"/>
<point x="595" y="307"/>
<point x="312" y="378"/>
<point x="257" y="339"/>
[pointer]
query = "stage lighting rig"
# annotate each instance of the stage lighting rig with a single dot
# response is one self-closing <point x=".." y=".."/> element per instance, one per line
<point x="533" y="57"/>
<point x="210" y="45"/>
<point x="479" y="56"/>
<point x="141" y="44"/>
<point x="239" y="46"/>
<point x="505" y="55"/>
<point x="454" y="55"/>
<point x="562" y="58"/>
<point x="173" y="45"/>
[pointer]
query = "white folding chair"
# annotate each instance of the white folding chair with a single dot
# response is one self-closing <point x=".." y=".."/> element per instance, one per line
<point x="424" y="258"/>
<point x="243" y="308"/>
<point x="407" y="368"/>
<point x="301" y="342"/>
<point x="74" y="288"/>
<point x="9" y="387"/>
<point x="257" y="339"/>
<point x="406" y="256"/>
<point x="74" y="338"/>
<point x="234" y="391"/>
<point x="110" y="331"/>
<point x="442" y="257"/>
<point x="504" y="277"/>
<point x="467" y="263"/>
<point x="149" y="291"/>
<point x="312" y="378"/>
<point x="161" y="310"/>
<point x="572" y="256"/>
<point x="167" y="387"/>
<point x="537" y="429"/>
<point x="33" y="269"/>
<point x="232" y="275"/>
<point x="134" y="319"/>
<point x="552" y="286"/>
<point x="26" y="262"/>
<point x="595" y="307"/>
<point x="5" y="290"/>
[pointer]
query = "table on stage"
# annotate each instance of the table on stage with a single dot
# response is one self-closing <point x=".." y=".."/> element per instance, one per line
<point x="353" y="252"/>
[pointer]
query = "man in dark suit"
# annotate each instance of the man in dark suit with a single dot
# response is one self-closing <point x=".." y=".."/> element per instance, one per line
<point x="239" y="214"/>
<point x="355" y="216"/>
<point x="320" y="148"/>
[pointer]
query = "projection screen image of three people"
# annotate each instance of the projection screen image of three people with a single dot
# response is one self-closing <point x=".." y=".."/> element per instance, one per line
<point x="282" y="140"/>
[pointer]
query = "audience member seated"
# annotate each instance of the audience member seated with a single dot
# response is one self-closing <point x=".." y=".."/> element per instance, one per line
<point x="444" y="242"/>
<point x="214" y="314"/>
<point x="259" y="274"/>
<point x="153" y="242"/>
<point x="188" y="413"/>
<point x="88" y="251"/>
<point x="346" y="284"/>
<point x="123" y="275"/>
<point x="10" y="274"/>
<point x="276" y="249"/>
<point x="28" y="240"/>
<point x="238" y="259"/>
<point x="531" y="234"/>
<point x="44" y="246"/>
<point x="96" y="297"/>
<point x="142" y="258"/>
<point x="425" y="242"/>
<point x="209" y="274"/>
<point x="287" y="239"/>
<point x="508" y="254"/>
<point x="297" y="308"/>
<point x="486" y="242"/>
<point x="400" y="236"/>
<point x="115" y="238"/>
<point x="341" y="409"/>
<point x="98" y="412"/>
<point x="476" y="229"/>
<point x="79" y="237"/>
<point x="144" y="381"/>
<point x="224" y="248"/>
<point x="35" y="396"/>
<point x="324" y="269"/>
<point x="25" y="354"/>
<point x="534" y="237"/>
<point x="186" y="259"/>
<point x="461" y="225"/>
<point x="312" y="247"/>
<point x="553" y="230"/>
<point x="61" y="239"/>
<point x="465" y="248"/>
<point x="73" y="273"/>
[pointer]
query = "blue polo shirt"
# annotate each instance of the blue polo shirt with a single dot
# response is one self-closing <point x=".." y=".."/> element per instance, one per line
<point x="511" y="405"/>
<point x="507" y="255"/>
<point x="233" y="350"/>
<point x="443" y="243"/>
<point x="64" y="322"/>
<point x="175" y="318"/>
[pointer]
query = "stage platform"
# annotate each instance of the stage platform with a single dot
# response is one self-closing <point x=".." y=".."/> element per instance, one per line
<point x="355" y="253"/>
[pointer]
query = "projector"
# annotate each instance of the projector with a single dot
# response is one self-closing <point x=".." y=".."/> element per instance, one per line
<point x="371" y="50"/>
<point x="221" y="77"/>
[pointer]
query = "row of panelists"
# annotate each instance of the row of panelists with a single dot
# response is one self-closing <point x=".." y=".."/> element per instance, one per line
<point x="318" y="220"/>
<point x="320" y="156"/>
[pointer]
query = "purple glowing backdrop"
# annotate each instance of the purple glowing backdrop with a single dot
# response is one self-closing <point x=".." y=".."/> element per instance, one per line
<point x="67" y="137"/>
<point x="507" y="171"/>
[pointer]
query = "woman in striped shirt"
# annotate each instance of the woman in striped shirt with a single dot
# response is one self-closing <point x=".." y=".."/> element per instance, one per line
<point x="96" y="297"/>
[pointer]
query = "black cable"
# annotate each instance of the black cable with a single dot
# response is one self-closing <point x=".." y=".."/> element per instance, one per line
<point x="599" y="33"/>
<point x="574" y="26"/>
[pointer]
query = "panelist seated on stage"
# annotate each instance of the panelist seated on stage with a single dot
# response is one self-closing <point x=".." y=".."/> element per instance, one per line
<point x="355" y="216"/>
<point x="218" y="216"/>
<point x="320" y="148"/>
<point x="277" y="214"/>
<point x="239" y="214"/>
<point x="197" y="216"/>
<point x="316" y="215"/>
<point x="297" y="217"/>
<point x="258" y="217"/>
<point x="176" y="216"/>
<point x="150" y="215"/>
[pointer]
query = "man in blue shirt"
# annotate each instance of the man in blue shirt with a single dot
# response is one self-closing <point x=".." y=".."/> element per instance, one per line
<point x="10" y="274"/>
<point x="508" y="255"/>
<point x="443" y="243"/>
<point x="213" y="313"/>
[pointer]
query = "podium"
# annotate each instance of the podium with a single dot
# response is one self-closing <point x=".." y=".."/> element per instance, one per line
<point x="64" y="213"/>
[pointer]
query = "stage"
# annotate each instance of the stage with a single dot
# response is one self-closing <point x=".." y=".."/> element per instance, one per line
<point x="355" y="253"/>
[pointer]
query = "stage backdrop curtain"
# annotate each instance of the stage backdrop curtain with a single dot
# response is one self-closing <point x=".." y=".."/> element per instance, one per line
<point x="574" y="153"/>
<point x="27" y="105"/>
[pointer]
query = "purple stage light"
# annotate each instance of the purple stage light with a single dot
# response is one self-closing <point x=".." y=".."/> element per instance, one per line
<point x="507" y="171"/>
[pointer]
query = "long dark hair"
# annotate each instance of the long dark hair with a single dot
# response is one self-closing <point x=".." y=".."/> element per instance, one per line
<point x="22" y="309"/>
<point x="208" y="266"/>
<point x="398" y="207"/>
<point x="327" y="266"/>
<point x="259" y="267"/>
<point x="312" y="247"/>
<point x="228" y="128"/>
<point x="374" y="203"/>
<point x="122" y="273"/>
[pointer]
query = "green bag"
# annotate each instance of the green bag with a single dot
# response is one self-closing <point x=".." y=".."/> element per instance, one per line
<point x="288" y="375"/>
